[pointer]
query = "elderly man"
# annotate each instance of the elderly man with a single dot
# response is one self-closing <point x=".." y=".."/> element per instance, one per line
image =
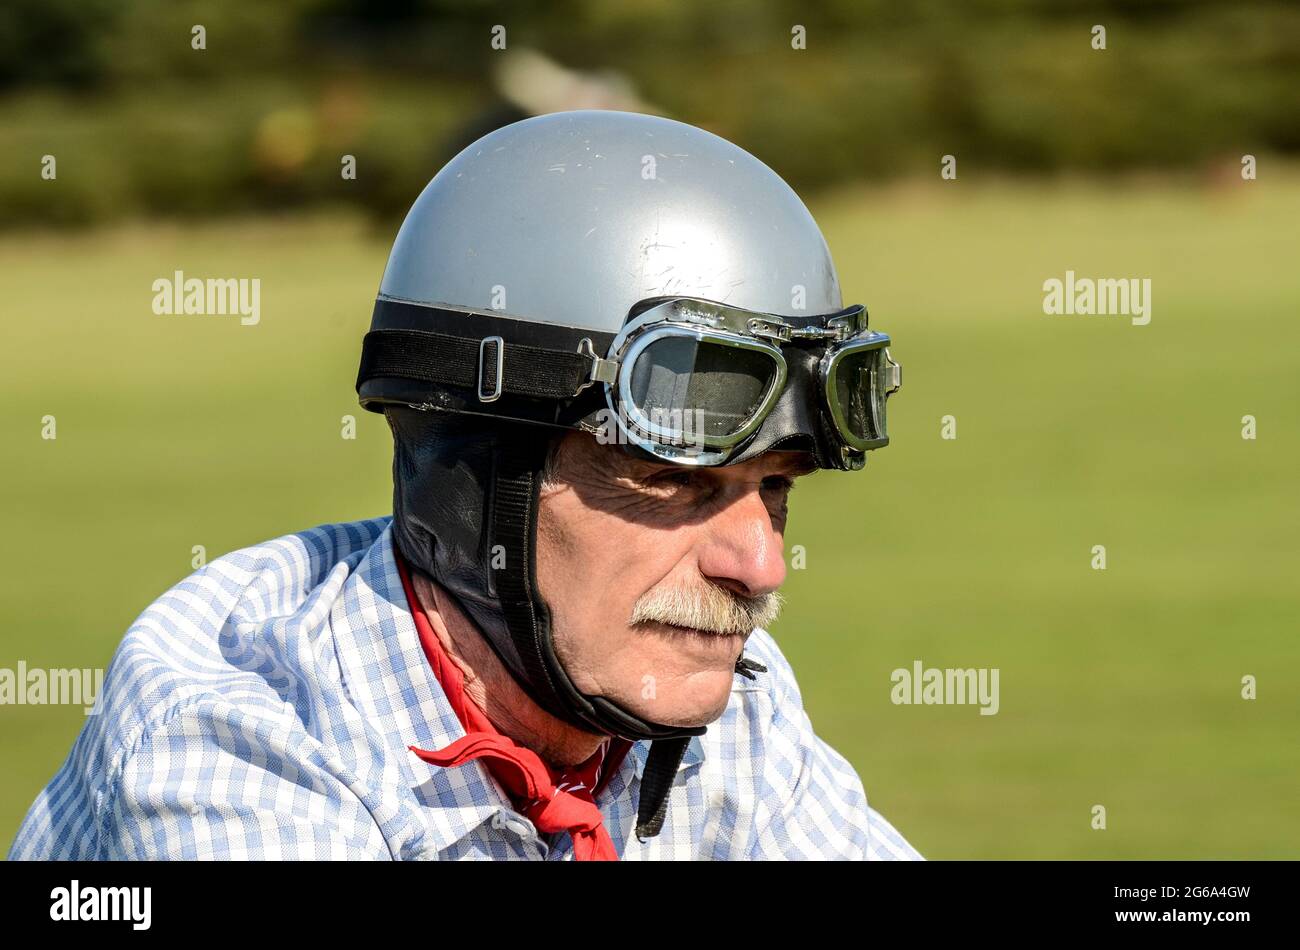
<point x="606" y="345"/>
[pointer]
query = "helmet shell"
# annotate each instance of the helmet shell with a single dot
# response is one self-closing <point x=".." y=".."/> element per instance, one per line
<point x="572" y="218"/>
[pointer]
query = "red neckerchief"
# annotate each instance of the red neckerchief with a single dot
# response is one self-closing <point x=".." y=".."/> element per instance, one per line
<point x="553" y="801"/>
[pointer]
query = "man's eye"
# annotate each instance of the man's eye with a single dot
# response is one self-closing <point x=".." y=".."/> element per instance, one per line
<point x="671" y="479"/>
<point x="778" y="483"/>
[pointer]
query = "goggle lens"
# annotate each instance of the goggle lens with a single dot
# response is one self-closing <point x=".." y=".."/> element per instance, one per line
<point x="857" y="387"/>
<point x="691" y="391"/>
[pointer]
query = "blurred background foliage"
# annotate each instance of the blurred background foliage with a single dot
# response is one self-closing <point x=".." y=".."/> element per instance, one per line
<point x="261" y="117"/>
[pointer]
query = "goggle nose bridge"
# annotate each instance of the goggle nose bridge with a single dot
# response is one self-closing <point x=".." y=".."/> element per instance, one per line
<point x="837" y="329"/>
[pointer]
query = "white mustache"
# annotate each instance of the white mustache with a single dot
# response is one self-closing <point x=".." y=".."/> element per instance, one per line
<point x="708" y="607"/>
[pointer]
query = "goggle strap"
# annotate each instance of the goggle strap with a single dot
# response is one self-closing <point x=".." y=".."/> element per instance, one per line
<point x="489" y="366"/>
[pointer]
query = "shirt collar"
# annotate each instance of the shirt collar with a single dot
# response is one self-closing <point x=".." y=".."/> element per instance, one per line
<point x="388" y="677"/>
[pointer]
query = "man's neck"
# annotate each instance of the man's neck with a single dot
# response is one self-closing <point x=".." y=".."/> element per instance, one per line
<point x="492" y="688"/>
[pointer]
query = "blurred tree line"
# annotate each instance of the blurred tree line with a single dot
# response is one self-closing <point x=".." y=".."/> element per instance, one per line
<point x="141" y="122"/>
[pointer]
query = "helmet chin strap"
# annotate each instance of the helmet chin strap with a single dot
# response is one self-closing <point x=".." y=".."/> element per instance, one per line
<point x="466" y="498"/>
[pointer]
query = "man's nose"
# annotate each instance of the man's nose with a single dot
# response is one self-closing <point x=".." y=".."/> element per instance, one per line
<point x="741" y="550"/>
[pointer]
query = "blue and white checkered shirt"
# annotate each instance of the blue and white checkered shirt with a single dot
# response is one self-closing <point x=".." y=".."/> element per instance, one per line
<point x="263" y="706"/>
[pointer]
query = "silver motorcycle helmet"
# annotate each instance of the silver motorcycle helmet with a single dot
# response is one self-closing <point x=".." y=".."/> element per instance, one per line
<point x="621" y="274"/>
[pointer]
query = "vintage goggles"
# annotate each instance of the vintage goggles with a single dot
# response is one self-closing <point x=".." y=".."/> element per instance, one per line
<point x="689" y="380"/>
<point x="686" y="380"/>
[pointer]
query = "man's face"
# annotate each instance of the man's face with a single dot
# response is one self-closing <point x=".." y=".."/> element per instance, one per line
<point x="656" y="574"/>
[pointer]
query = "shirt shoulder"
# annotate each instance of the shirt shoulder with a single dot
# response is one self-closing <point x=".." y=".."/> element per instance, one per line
<point x="223" y="629"/>
<point x="232" y="634"/>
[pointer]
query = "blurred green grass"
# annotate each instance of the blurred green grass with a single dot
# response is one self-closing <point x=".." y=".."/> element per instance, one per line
<point x="1118" y="688"/>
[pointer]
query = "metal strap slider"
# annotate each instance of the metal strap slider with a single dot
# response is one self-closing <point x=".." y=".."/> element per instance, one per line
<point x="602" y="370"/>
<point x="491" y="368"/>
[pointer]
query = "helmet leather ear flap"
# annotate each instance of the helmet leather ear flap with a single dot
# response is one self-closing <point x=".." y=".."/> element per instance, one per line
<point x="442" y="470"/>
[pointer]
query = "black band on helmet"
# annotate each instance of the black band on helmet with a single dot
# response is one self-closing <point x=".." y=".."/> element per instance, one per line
<point x="434" y="358"/>
<point x="425" y="356"/>
<point x="445" y="347"/>
<point x="493" y="365"/>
